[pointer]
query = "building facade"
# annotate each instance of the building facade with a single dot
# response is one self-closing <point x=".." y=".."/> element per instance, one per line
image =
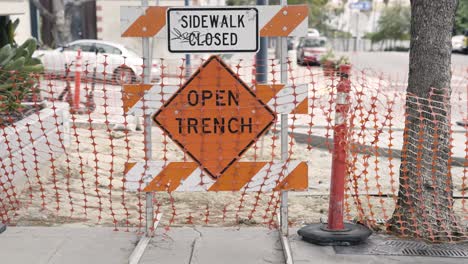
<point x="18" y="9"/>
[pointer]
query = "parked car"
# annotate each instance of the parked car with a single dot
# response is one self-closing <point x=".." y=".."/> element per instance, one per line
<point x="122" y="64"/>
<point x="290" y="43"/>
<point x="310" y="49"/>
<point x="313" y="33"/>
<point x="460" y="43"/>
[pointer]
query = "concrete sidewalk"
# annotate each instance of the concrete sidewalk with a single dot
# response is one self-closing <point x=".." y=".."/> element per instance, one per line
<point x="196" y="245"/>
<point x="57" y="245"/>
<point x="200" y="245"/>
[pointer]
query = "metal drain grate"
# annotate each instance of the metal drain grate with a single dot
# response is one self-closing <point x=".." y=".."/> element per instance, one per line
<point x="381" y="245"/>
<point x="434" y="253"/>
<point x="406" y="244"/>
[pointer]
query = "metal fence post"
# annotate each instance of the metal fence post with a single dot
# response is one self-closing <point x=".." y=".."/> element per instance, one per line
<point x="144" y="241"/>
<point x="283" y="217"/>
<point x="284" y="129"/>
<point x="147" y="131"/>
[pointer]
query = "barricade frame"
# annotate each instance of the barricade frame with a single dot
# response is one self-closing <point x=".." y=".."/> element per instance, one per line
<point x="151" y="225"/>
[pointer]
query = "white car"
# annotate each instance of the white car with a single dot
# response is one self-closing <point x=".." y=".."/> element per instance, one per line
<point x="313" y="33"/>
<point x="122" y="65"/>
<point x="460" y="43"/>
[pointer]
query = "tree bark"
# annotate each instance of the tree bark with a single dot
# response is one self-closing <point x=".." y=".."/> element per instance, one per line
<point x="43" y="10"/>
<point x="425" y="200"/>
<point x="56" y="20"/>
<point x="62" y="23"/>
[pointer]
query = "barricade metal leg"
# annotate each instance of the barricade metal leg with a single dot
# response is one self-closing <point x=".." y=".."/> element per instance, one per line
<point x="284" y="239"/>
<point x="150" y="225"/>
<point x="2" y="228"/>
<point x="148" y="178"/>
<point x="283" y="221"/>
<point x="147" y="129"/>
<point x="142" y="244"/>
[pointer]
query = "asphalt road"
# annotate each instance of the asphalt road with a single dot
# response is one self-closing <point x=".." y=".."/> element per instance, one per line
<point x="396" y="64"/>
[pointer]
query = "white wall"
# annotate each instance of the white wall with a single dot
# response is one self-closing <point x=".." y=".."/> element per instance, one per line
<point x="20" y="7"/>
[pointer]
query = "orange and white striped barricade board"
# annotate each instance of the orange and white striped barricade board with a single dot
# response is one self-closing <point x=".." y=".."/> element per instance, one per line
<point x="214" y="118"/>
<point x="290" y="99"/>
<point x="242" y="176"/>
<point x="273" y="21"/>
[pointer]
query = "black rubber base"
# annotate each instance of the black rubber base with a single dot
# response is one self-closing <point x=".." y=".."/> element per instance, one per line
<point x="319" y="235"/>
<point x="2" y="228"/>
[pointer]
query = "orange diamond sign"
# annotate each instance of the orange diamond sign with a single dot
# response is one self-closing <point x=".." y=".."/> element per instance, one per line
<point x="214" y="117"/>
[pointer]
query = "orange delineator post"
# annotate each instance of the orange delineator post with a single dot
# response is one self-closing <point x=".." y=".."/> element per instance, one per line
<point x="340" y="139"/>
<point x="76" y="100"/>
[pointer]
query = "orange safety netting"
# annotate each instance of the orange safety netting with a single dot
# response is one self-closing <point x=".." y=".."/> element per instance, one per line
<point x="62" y="165"/>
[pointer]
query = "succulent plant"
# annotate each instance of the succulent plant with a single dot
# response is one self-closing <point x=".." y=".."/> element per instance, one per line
<point x="343" y="60"/>
<point x="7" y="31"/>
<point x="18" y="75"/>
<point x="328" y="57"/>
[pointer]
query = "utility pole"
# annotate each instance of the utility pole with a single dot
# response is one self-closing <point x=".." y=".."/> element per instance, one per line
<point x="356" y="31"/>
<point x="261" y="59"/>
<point x="188" y="70"/>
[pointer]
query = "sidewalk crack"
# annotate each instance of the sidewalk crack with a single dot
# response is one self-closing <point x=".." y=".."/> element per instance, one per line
<point x="59" y="247"/>
<point x="193" y="245"/>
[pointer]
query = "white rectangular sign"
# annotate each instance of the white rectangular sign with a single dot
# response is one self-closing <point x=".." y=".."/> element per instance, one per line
<point x="219" y="30"/>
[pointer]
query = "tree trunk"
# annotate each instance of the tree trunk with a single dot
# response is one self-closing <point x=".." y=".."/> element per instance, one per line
<point x="88" y="13"/>
<point x="425" y="200"/>
<point x="62" y="23"/>
<point x="47" y="22"/>
<point x="56" y="25"/>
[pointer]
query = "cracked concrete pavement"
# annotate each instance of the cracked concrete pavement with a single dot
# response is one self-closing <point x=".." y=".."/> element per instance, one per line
<point x="179" y="245"/>
<point x="197" y="245"/>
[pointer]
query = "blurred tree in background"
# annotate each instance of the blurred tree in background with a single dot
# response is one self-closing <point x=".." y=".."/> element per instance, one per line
<point x="461" y="20"/>
<point x="394" y="24"/>
<point x="320" y="12"/>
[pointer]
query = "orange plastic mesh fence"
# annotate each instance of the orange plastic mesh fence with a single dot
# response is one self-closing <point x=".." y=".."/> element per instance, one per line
<point x="87" y="165"/>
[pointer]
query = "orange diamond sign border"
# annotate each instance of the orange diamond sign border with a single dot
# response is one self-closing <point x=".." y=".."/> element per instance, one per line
<point x="170" y="110"/>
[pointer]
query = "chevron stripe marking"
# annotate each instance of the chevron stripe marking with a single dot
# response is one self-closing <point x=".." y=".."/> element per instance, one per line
<point x="148" y="24"/>
<point x="152" y="97"/>
<point x="242" y="176"/>
<point x="285" y="21"/>
<point x="302" y="108"/>
<point x="267" y="92"/>
<point x="237" y="176"/>
<point x="295" y="180"/>
<point x="132" y="93"/>
<point x="155" y="95"/>
<point x="274" y="21"/>
<point x="170" y="178"/>
<point x="129" y="166"/>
